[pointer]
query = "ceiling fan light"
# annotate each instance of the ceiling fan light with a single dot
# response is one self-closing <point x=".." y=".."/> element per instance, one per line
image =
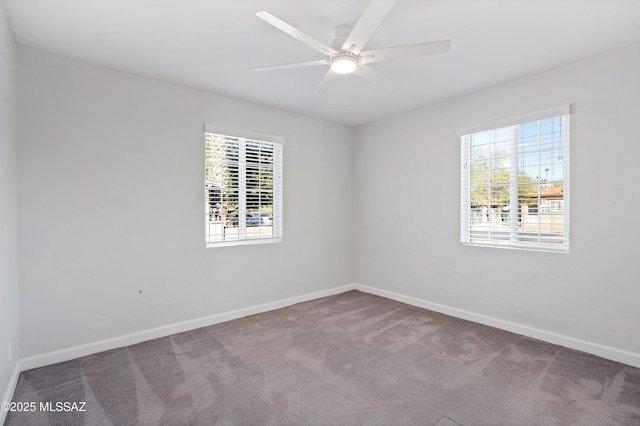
<point x="344" y="64"/>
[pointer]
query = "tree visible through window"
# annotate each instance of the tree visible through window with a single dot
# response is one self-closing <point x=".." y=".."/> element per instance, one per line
<point x="243" y="189"/>
<point x="515" y="185"/>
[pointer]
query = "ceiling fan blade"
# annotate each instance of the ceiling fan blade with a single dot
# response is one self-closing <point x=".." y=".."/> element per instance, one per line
<point x="376" y="77"/>
<point x="419" y="49"/>
<point x="366" y="26"/>
<point x="296" y="33"/>
<point x="322" y="86"/>
<point x="296" y="65"/>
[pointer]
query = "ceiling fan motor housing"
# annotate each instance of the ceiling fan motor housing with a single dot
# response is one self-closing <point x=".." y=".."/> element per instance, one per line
<point x="340" y="34"/>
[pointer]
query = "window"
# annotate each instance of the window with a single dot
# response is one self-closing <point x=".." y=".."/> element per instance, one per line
<point x="515" y="182"/>
<point x="243" y="188"/>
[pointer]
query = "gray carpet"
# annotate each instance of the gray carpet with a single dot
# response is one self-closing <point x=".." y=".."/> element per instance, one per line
<point x="350" y="359"/>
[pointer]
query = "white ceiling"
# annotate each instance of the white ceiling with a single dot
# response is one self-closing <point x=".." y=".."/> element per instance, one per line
<point x="213" y="44"/>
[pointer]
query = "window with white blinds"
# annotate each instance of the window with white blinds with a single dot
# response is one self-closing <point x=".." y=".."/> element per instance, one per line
<point x="515" y="182"/>
<point x="243" y="188"/>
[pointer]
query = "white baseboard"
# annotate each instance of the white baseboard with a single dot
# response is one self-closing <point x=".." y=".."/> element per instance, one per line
<point x="608" y="352"/>
<point x="11" y="387"/>
<point x="615" y="354"/>
<point x="154" y="333"/>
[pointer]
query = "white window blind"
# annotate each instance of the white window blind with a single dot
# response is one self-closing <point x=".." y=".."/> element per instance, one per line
<point x="515" y="183"/>
<point x="243" y="188"/>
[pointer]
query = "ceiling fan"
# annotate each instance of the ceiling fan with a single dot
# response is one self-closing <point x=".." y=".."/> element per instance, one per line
<point x="346" y="54"/>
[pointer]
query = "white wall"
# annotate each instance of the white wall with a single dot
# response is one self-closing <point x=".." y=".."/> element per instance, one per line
<point x="111" y="202"/>
<point x="110" y="184"/>
<point x="407" y="209"/>
<point x="8" y="213"/>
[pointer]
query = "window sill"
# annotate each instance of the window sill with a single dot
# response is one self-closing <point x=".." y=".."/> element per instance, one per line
<point x="562" y="249"/>
<point x="244" y="242"/>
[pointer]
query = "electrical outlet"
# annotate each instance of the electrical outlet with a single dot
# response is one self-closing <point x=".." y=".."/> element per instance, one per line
<point x="10" y="352"/>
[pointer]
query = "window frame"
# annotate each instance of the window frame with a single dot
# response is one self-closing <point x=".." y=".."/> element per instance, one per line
<point x="245" y="136"/>
<point x="466" y="209"/>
